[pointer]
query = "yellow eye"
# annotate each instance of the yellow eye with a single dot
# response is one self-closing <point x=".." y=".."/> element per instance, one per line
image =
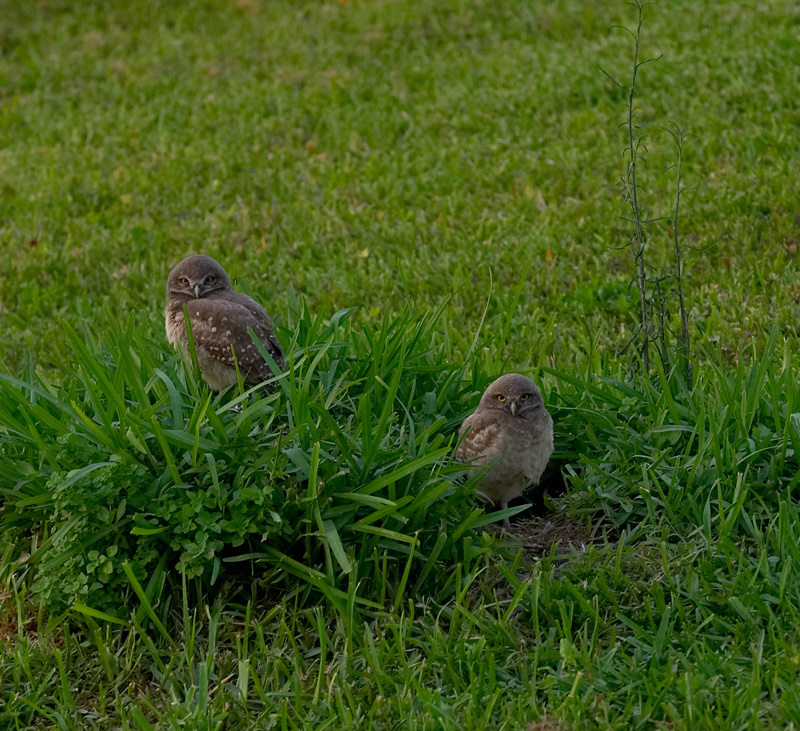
<point x="501" y="398"/>
<point x="184" y="280"/>
<point x="524" y="397"/>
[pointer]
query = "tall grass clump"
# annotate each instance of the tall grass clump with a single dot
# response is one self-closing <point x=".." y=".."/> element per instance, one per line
<point x="130" y="472"/>
<point x="711" y="460"/>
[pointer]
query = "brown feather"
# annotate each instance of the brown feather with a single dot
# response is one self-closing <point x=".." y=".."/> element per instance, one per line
<point x="518" y="443"/>
<point x="219" y="319"/>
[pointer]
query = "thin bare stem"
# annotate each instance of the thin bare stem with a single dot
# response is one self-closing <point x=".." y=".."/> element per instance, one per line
<point x="685" y="341"/>
<point x="638" y="240"/>
<point x="660" y="307"/>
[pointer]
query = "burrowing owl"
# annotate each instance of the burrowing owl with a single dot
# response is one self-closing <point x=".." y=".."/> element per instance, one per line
<point x="219" y="318"/>
<point x="511" y="428"/>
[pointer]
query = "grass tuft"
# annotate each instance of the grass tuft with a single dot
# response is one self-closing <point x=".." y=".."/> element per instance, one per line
<point x="346" y="468"/>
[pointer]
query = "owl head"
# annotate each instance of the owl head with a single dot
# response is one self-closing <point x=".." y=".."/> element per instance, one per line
<point x="515" y="394"/>
<point x="196" y="277"/>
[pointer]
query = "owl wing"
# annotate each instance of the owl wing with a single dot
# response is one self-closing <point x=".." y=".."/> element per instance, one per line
<point x="270" y="343"/>
<point x="219" y="325"/>
<point x="480" y="438"/>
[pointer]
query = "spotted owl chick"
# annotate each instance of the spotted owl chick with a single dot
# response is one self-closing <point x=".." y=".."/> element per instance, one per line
<point x="511" y="428"/>
<point x="219" y="317"/>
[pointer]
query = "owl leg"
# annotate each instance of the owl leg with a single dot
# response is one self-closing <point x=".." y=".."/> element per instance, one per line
<point x="506" y="521"/>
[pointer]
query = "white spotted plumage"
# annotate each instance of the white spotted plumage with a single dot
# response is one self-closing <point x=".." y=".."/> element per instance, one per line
<point x="201" y="284"/>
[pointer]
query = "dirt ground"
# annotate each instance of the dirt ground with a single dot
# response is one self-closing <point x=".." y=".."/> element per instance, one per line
<point x="554" y="533"/>
<point x="537" y="535"/>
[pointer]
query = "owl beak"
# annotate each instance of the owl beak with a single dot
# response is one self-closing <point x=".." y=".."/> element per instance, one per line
<point x="513" y="408"/>
<point x="197" y="291"/>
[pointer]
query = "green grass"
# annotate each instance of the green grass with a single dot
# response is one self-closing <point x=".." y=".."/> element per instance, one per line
<point x="290" y="140"/>
<point x="424" y="195"/>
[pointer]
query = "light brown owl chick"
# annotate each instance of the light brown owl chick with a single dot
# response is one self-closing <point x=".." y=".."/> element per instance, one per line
<point x="219" y="317"/>
<point x="511" y="428"/>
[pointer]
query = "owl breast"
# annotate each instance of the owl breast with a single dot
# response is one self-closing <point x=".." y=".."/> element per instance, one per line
<point x="174" y="326"/>
<point x="519" y="450"/>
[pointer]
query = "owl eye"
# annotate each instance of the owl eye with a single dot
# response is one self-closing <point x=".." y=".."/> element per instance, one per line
<point x="501" y="398"/>
<point x="209" y="278"/>
<point x="184" y="280"/>
<point x="524" y="397"/>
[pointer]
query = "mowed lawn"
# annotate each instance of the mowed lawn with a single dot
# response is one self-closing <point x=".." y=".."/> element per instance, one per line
<point x="453" y="172"/>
